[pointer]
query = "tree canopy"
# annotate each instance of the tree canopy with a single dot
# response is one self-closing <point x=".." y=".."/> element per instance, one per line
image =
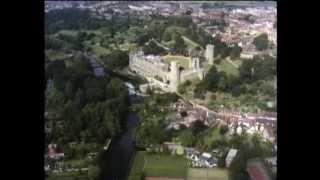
<point x="261" y="42"/>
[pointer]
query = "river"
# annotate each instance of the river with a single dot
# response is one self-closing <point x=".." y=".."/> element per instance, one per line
<point x="121" y="151"/>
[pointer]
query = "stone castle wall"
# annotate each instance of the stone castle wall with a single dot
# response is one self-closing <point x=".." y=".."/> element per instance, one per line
<point x="153" y="68"/>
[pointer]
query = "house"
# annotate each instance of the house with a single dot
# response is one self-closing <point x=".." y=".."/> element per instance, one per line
<point x="54" y="152"/>
<point x="230" y="156"/>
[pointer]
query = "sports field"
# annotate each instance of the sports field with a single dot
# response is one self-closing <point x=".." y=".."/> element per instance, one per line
<point x="207" y="174"/>
<point x="181" y="60"/>
<point x="156" y="165"/>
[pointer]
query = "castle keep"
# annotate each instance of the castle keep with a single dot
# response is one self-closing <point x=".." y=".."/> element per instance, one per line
<point x="168" y="76"/>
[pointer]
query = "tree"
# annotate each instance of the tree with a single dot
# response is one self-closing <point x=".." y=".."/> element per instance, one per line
<point x="152" y="48"/>
<point x="117" y="59"/>
<point x="179" y="45"/>
<point x="151" y="132"/>
<point x="156" y="29"/>
<point x="79" y="99"/>
<point x="167" y="35"/>
<point x="182" y="87"/>
<point x="69" y="90"/>
<point x="115" y="88"/>
<point x="112" y="123"/>
<point x="223" y="129"/>
<point x="187" y="138"/>
<point x="235" y="51"/>
<point x="212" y="79"/>
<point x="55" y="99"/>
<point x="197" y="127"/>
<point x="93" y="172"/>
<point x="55" y="68"/>
<point x="94" y="94"/>
<point x="261" y="42"/>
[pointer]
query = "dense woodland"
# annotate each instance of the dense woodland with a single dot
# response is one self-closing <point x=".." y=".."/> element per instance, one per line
<point x="79" y="100"/>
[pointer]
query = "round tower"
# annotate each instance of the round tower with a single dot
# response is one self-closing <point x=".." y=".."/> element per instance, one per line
<point x="209" y="54"/>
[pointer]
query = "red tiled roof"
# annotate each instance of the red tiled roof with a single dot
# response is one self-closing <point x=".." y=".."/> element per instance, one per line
<point x="257" y="171"/>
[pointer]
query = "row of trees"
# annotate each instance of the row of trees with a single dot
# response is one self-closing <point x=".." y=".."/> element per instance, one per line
<point x="152" y="48"/>
<point x="223" y="50"/>
<point x="117" y="59"/>
<point x="64" y="42"/>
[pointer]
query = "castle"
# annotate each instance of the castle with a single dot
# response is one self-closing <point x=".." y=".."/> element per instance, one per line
<point x="168" y="76"/>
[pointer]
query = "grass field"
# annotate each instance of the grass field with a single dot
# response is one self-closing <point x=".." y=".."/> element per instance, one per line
<point x="137" y="167"/>
<point x="68" y="176"/>
<point x="182" y="61"/>
<point x="98" y="50"/>
<point x="128" y="46"/>
<point x="55" y="55"/>
<point x="207" y="174"/>
<point x="228" y="68"/>
<point x="238" y="62"/>
<point x="79" y="163"/>
<point x="213" y="136"/>
<point x="68" y="32"/>
<point x="74" y="32"/>
<point x="158" y="166"/>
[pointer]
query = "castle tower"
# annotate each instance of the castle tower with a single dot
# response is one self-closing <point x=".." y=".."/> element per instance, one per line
<point x="174" y="76"/>
<point x="209" y="53"/>
<point x="194" y="63"/>
<point x="197" y="63"/>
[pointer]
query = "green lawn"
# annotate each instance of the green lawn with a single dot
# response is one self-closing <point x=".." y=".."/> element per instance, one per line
<point x="128" y="46"/>
<point x="74" y="32"/>
<point x="228" y="68"/>
<point x="78" y="162"/>
<point x="136" y="171"/>
<point x="182" y="61"/>
<point x="213" y="136"/>
<point x="159" y="166"/>
<point x="68" y="176"/>
<point x="55" y="55"/>
<point x="176" y="29"/>
<point x="208" y="173"/>
<point x="68" y="32"/>
<point x="238" y="62"/>
<point x="98" y="50"/>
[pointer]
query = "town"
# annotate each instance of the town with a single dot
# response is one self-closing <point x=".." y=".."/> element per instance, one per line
<point x="161" y="90"/>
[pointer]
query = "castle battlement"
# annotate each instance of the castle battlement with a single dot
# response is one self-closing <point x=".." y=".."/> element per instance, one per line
<point x="163" y="74"/>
